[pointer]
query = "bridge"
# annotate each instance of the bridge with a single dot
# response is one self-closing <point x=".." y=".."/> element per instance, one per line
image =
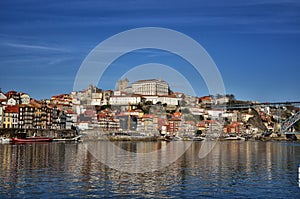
<point x="264" y="104"/>
<point x="288" y="123"/>
<point x="284" y="125"/>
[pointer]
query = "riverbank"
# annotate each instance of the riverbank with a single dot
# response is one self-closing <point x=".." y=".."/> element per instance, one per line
<point x="160" y="138"/>
<point x="53" y="133"/>
<point x="69" y="133"/>
<point x="121" y="138"/>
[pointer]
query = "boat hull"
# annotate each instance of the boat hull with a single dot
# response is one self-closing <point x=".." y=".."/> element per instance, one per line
<point x="198" y="138"/>
<point x="31" y="139"/>
<point x="235" y="138"/>
<point x="74" y="139"/>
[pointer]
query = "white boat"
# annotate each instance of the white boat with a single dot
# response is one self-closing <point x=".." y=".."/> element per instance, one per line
<point x="4" y="140"/>
<point x="198" y="138"/>
<point x="177" y="138"/>
<point x="234" y="138"/>
<point x="74" y="139"/>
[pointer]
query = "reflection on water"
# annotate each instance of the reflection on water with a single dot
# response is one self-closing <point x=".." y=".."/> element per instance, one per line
<point x="137" y="157"/>
<point x="232" y="169"/>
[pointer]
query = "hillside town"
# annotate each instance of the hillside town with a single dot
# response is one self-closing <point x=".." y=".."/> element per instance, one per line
<point x="144" y="107"/>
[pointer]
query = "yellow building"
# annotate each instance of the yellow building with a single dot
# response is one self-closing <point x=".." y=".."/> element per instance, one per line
<point x="10" y="117"/>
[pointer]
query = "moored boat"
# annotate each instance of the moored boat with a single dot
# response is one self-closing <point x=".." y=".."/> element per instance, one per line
<point x="22" y="138"/>
<point x="5" y="140"/>
<point x="167" y="138"/>
<point x="198" y="138"/>
<point x="266" y="134"/>
<point x="234" y="138"/>
<point x="32" y="139"/>
<point x="73" y="139"/>
<point x="177" y="138"/>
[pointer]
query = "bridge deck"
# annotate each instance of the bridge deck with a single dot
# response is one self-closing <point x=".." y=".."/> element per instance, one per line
<point x="291" y="133"/>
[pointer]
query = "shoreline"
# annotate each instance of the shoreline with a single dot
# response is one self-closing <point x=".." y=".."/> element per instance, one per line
<point x="157" y="138"/>
<point x="96" y="136"/>
<point x="53" y="133"/>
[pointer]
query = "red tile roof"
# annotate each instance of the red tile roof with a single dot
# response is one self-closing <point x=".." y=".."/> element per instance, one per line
<point x="12" y="109"/>
<point x="177" y="114"/>
<point x="205" y="98"/>
<point x="148" y="116"/>
<point x="69" y="111"/>
<point x="35" y="104"/>
<point x="174" y="119"/>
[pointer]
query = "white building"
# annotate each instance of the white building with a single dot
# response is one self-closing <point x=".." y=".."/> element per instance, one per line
<point x="150" y="87"/>
<point x="215" y="113"/>
<point x="11" y="102"/>
<point x="221" y="100"/>
<point x="71" y="119"/>
<point x="196" y="111"/>
<point x="174" y="101"/>
<point x="169" y="100"/>
<point x="96" y="99"/>
<point x="125" y="100"/>
<point x="25" y="99"/>
<point x="83" y="125"/>
<point x="2" y="97"/>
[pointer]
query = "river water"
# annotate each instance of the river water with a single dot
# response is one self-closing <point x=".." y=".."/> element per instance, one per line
<point x="233" y="169"/>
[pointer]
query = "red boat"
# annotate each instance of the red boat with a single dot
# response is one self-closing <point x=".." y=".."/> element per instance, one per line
<point x="32" y="139"/>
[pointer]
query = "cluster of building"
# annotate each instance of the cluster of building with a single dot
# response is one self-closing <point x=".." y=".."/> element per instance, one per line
<point x="19" y="111"/>
<point x="145" y="106"/>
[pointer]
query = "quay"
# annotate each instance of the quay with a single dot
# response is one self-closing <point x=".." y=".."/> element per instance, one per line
<point x="94" y="135"/>
<point x="53" y="133"/>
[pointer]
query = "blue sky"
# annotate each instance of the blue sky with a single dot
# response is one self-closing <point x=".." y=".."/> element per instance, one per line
<point x="255" y="43"/>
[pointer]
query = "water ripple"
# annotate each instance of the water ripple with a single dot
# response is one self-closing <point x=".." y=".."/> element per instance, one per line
<point x="231" y="170"/>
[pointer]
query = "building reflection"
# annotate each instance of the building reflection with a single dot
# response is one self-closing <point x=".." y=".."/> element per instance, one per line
<point x="234" y="161"/>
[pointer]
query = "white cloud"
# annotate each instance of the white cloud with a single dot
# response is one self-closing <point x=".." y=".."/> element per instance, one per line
<point x="37" y="47"/>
